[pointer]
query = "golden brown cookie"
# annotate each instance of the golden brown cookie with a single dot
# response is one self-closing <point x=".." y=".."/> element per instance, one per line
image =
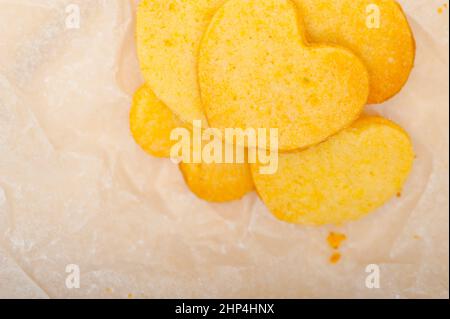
<point x="218" y="182"/>
<point x="168" y="36"/>
<point x="257" y="71"/>
<point x="376" y="30"/>
<point x="151" y="123"/>
<point x="342" y="179"/>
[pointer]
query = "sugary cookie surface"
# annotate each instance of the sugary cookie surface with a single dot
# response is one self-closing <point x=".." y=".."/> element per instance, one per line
<point x="168" y="35"/>
<point x="342" y="179"/>
<point x="218" y="182"/>
<point x="256" y="71"/>
<point x="151" y="123"/>
<point x="376" y="30"/>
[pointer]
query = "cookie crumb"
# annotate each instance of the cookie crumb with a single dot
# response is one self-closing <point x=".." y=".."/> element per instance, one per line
<point x="335" y="240"/>
<point x="441" y="9"/>
<point x="335" y="258"/>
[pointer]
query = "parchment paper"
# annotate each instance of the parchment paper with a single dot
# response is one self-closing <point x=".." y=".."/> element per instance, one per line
<point x="76" y="189"/>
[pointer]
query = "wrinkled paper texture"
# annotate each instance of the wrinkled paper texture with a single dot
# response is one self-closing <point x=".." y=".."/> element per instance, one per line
<point x="75" y="189"/>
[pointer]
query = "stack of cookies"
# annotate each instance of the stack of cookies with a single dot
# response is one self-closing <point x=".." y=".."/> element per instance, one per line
<point x="306" y="68"/>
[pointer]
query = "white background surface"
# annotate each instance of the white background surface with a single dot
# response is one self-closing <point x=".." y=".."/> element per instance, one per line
<point x="76" y="189"/>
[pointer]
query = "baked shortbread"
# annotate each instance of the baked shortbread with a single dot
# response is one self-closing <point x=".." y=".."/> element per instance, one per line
<point x="168" y="36"/>
<point x="218" y="182"/>
<point x="151" y="123"/>
<point x="342" y="179"/>
<point x="257" y="71"/>
<point x="376" y="30"/>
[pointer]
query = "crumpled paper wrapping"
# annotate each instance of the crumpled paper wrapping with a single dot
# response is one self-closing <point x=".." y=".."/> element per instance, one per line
<point x="76" y="189"/>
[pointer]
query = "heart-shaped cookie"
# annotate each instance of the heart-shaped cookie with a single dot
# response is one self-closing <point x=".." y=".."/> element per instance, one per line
<point x="342" y="179"/>
<point x="376" y="30"/>
<point x="169" y="34"/>
<point x="256" y="70"/>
